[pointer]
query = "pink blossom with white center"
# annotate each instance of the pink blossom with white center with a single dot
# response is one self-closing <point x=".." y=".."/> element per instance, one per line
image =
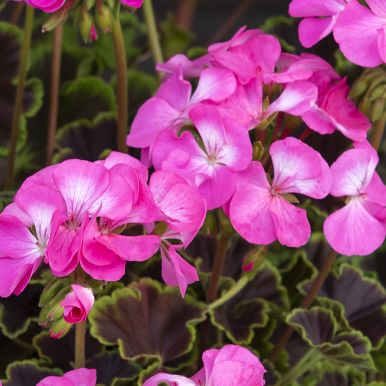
<point x="169" y="109"/>
<point x="25" y="227"/>
<point x="359" y="227"/>
<point x="226" y="149"/>
<point x="259" y="210"/>
<point x="231" y="365"/>
<point x="320" y="17"/>
<point x="77" y="304"/>
<point x="361" y="33"/>
<point x="78" y="377"/>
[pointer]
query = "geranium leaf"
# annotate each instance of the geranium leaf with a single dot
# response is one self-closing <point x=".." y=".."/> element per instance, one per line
<point x="147" y="320"/>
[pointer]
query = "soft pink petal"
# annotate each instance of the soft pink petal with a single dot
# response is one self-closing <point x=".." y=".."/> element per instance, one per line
<point x="376" y="190"/>
<point x="249" y="208"/>
<point x="291" y="224"/>
<point x="356" y="32"/>
<point x="55" y="381"/>
<point x="169" y="379"/>
<point x="378" y="7"/>
<point x="297" y="98"/>
<point x="352" y="172"/>
<point x="215" y="84"/>
<point x="132" y="3"/>
<point x="109" y="272"/>
<point x="81" y="183"/>
<point x="298" y="168"/>
<point x="352" y="230"/>
<point x="15" y="211"/>
<point x="82" y="377"/>
<point x="318" y="120"/>
<point x="313" y="30"/>
<point x="190" y="68"/>
<point x="309" y="8"/>
<point x="382" y="43"/>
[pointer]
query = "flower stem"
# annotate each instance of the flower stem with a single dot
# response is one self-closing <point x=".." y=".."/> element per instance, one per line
<point x="80" y="343"/>
<point x="148" y="13"/>
<point x="122" y="87"/>
<point x="57" y="40"/>
<point x="18" y="106"/>
<point x="185" y="13"/>
<point x="307" y="301"/>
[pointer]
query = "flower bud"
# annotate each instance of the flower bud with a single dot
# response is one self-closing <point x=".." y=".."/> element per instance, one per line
<point x="103" y="18"/>
<point x="85" y="26"/>
<point x="59" y="328"/>
<point x="77" y="304"/>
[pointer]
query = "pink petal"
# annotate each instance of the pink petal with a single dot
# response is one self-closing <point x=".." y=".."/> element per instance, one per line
<point x="15" y="211"/>
<point x="132" y="3"/>
<point x="382" y="43"/>
<point x="352" y="230"/>
<point x="82" y="377"/>
<point x="297" y="98"/>
<point x="109" y="272"/>
<point x="190" y="68"/>
<point x="309" y="8"/>
<point x="318" y="120"/>
<point x="215" y="84"/>
<point x="352" y="172"/>
<point x="376" y="190"/>
<point x="249" y="208"/>
<point x="298" y="168"/>
<point x="80" y="183"/>
<point x="77" y="304"/>
<point x="176" y="272"/>
<point x="313" y="30"/>
<point x="291" y="224"/>
<point x="169" y="379"/>
<point x="356" y="33"/>
<point x="131" y="248"/>
<point x="377" y="6"/>
<point x="55" y="381"/>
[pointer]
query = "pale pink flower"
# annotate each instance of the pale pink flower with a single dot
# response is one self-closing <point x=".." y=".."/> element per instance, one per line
<point x="49" y="6"/>
<point x="232" y="365"/>
<point x="226" y="150"/>
<point x="78" y="377"/>
<point x="169" y="109"/>
<point x="361" y="33"/>
<point x="320" y="17"/>
<point x="77" y="304"/>
<point x="260" y="212"/>
<point x="359" y="227"/>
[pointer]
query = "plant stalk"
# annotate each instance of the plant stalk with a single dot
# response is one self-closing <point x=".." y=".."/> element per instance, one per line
<point x="18" y="105"/>
<point x="307" y="301"/>
<point x="185" y="13"/>
<point x="148" y="13"/>
<point x="122" y="86"/>
<point x="80" y="344"/>
<point x="57" y="40"/>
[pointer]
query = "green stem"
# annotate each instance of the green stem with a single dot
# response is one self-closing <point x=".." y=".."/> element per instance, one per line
<point x="302" y="366"/>
<point x="148" y="13"/>
<point x="122" y="87"/>
<point x="18" y="106"/>
<point x="80" y="344"/>
<point x="57" y="40"/>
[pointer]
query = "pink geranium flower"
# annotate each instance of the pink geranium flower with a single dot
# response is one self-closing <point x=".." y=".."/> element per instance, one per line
<point x="169" y="109"/>
<point x="320" y="17"/>
<point x="232" y="365"/>
<point x="359" y="227"/>
<point x="212" y="167"/>
<point x="190" y="68"/>
<point x="78" y="377"/>
<point x="361" y="33"/>
<point x="77" y="304"/>
<point x="260" y="212"/>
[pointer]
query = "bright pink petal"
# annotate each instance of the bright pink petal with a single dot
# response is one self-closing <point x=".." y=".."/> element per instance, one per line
<point x="352" y="172"/>
<point x="309" y="8"/>
<point x="249" y="208"/>
<point x="297" y="98"/>
<point x="81" y="183"/>
<point x="190" y="68"/>
<point x="313" y="30"/>
<point x="352" y="230"/>
<point x="298" y="168"/>
<point x="382" y="44"/>
<point x="378" y="7"/>
<point x="82" y="377"/>
<point x="132" y="3"/>
<point x="169" y="379"/>
<point x="356" y="32"/>
<point x="176" y="271"/>
<point x="215" y="84"/>
<point x="77" y="304"/>
<point x="376" y="190"/>
<point x="55" y="381"/>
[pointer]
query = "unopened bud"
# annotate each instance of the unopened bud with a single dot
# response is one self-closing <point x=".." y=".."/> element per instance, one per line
<point x="103" y="18"/>
<point x="59" y="329"/>
<point x="377" y="109"/>
<point x="258" y="151"/>
<point x="85" y="26"/>
<point x="254" y="259"/>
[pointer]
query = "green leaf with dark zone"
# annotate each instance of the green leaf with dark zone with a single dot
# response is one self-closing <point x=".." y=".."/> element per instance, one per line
<point x="363" y="300"/>
<point x="147" y="320"/>
<point x="319" y="329"/>
<point x="60" y="352"/>
<point x="18" y="312"/>
<point x="86" y="139"/>
<point x="379" y="356"/>
<point x="112" y="370"/>
<point x="85" y="98"/>
<point x="27" y="373"/>
<point x="250" y="308"/>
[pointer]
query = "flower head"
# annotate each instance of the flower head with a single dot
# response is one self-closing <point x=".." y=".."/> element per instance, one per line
<point x="77" y="304"/>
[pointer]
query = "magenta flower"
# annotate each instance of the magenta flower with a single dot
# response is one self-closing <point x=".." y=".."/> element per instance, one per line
<point x="78" y="377"/>
<point x="320" y="17"/>
<point x="190" y="68"/>
<point x="169" y="109"/>
<point x="49" y="6"/>
<point x="232" y="365"/>
<point x="77" y="304"/>
<point x="260" y="212"/>
<point x="359" y="227"/>
<point x="361" y="33"/>
<point x="132" y="3"/>
<point x="226" y="150"/>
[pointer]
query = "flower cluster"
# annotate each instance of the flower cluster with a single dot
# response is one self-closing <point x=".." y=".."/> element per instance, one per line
<point x="205" y="136"/>
<point x="79" y="213"/>
<point x="360" y="31"/>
